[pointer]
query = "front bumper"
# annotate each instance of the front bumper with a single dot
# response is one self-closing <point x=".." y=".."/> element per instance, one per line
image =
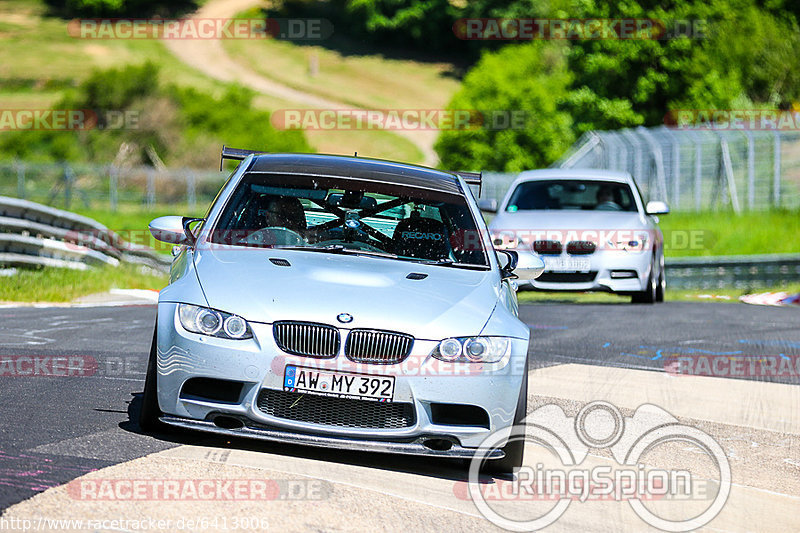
<point x="259" y="364"/>
<point x="599" y="278"/>
<point x="416" y="447"/>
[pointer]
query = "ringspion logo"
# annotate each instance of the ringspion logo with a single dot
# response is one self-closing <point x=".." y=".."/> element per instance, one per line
<point x="639" y="444"/>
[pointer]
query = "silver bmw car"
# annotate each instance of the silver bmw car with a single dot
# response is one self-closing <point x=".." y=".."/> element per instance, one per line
<point x="591" y="227"/>
<point x="341" y="302"/>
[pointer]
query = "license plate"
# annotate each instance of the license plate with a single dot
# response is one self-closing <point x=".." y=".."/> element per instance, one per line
<point x="567" y="264"/>
<point x="338" y="384"/>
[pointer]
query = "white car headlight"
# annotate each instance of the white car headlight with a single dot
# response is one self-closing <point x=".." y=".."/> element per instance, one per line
<point x="473" y="349"/>
<point x="213" y="323"/>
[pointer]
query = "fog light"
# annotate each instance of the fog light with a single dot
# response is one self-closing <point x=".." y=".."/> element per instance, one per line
<point x="623" y="274"/>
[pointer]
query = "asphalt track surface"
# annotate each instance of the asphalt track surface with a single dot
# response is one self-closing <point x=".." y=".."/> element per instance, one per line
<point x="54" y="429"/>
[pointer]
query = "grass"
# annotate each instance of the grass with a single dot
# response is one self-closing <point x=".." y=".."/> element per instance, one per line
<point x="723" y="233"/>
<point x="362" y="79"/>
<point x="672" y="295"/>
<point x="38" y="49"/>
<point x="685" y="234"/>
<point x="64" y="285"/>
<point x="41" y="61"/>
<point x="131" y="222"/>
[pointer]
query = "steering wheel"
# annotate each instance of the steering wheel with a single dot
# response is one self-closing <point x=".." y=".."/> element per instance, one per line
<point x="271" y="236"/>
<point x="608" y="206"/>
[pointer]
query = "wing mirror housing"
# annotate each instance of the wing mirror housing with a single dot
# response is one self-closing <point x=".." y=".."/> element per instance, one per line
<point x="173" y="229"/>
<point x="529" y="266"/>
<point x="520" y="264"/>
<point x="488" y="205"/>
<point x="656" y="207"/>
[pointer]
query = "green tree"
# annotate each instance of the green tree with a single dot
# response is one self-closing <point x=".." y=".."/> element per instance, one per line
<point x="529" y="79"/>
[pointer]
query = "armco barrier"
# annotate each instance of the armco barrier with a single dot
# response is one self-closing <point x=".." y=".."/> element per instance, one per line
<point x="35" y="234"/>
<point x="736" y="272"/>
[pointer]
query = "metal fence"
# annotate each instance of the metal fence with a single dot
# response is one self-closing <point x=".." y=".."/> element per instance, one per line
<point x="691" y="170"/>
<point x="92" y="186"/>
<point x="694" y="170"/>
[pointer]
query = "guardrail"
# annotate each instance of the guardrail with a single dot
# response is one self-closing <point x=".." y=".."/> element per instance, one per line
<point x="34" y="234"/>
<point x="738" y="272"/>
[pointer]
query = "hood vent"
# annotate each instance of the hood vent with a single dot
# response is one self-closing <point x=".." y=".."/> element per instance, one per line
<point x="416" y="276"/>
<point x="277" y="261"/>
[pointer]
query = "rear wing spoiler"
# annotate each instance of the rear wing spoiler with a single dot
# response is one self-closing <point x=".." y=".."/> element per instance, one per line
<point x="472" y="178"/>
<point x="238" y="154"/>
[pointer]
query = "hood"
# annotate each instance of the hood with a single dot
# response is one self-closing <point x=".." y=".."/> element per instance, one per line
<point x="318" y="286"/>
<point x="568" y="220"/>
<point x="565" y="226"/>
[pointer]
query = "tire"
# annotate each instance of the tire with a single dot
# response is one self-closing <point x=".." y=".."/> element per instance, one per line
<point x="150" y="413"/>
<point x="661" y="286"/>
<point x="514" y="450"/>
<point x="647" y="296"/>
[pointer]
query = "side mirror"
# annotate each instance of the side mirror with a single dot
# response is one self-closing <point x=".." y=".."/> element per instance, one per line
<point x="656" y="208"/>
<point x="488" y="205"/>
<point x="508" y="262"/>
<point x="520" y="264"/>
<point x="173" y="229"/>
<point x="529" y="266"/>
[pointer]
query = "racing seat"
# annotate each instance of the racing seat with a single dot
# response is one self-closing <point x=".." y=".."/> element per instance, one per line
<point x="421" y="238"/>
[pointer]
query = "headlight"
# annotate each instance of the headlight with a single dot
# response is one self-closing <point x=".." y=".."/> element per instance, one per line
<point x="214" y="323"/>
<point x="473" y="349"/>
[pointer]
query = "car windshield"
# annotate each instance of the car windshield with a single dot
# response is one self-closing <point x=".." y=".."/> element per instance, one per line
<point x="348" y="215"/>
<point x="572" y="194"/>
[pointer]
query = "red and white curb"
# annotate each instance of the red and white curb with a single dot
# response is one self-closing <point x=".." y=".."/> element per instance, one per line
<point x="771" y="298"/>
<point x="112" y="298"/>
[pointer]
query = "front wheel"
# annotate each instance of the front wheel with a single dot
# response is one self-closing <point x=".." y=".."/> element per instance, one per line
<point x="662" y="282"/>
<point x="649" y="295"/>
<point x="514" y="450"/>
<point x="150" y="414"/>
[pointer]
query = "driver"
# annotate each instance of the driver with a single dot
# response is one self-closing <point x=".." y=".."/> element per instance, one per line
<point x="605" y="199"/>
<point x="281" y="212"/>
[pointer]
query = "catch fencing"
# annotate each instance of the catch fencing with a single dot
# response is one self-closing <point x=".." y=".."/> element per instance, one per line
<point x="699" y="169"/>
<point x="93" y="186"/>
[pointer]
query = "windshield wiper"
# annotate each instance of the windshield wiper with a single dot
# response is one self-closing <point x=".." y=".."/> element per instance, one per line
<point x="446" y="261"/>
<point x="340" y="249"/>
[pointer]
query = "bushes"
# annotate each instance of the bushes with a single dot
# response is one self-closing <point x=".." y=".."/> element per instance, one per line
<point x="530" y="78"/>
<point x="183" y="126"/>
<point x="746" y="58"/>
<point x="120" y="8"/>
